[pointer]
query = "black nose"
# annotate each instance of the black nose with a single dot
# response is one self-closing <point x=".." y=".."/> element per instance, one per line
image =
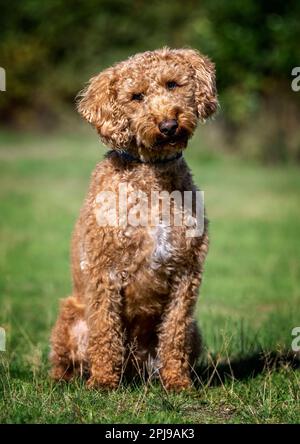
<point x="168" y="127"/>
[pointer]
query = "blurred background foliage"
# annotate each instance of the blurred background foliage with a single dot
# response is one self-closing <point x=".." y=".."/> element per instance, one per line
<point x="51" y="48"/>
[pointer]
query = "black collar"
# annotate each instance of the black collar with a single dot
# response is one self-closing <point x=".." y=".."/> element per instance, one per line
<point x="131" y="158"/>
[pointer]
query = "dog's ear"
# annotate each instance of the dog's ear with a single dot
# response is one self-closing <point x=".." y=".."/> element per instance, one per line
<point x="98" y="104"/>
<point x="205" y="82"/>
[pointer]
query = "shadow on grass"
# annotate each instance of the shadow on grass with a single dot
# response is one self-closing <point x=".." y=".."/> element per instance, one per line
<point x="217" y="371"/>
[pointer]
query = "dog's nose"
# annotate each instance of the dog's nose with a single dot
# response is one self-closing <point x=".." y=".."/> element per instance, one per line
<point x="168" y="127"/>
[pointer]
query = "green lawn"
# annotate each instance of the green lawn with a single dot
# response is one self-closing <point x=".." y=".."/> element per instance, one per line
<point x="249" y="303"/>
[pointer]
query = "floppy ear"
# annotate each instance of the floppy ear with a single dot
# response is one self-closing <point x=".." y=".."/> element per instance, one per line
<point x="98" y="104"/>
<point x="205" y="82"/>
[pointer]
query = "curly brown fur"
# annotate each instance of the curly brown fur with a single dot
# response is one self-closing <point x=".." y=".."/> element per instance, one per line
<point x="133" y="303"/>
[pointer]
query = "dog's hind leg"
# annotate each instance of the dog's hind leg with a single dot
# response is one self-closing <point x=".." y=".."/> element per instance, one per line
<point x="69" y="341"/>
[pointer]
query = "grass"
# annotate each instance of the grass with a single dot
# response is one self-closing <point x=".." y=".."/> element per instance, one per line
<point x="248" y="306"/>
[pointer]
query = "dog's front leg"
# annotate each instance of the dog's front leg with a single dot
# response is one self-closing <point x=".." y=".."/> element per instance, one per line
<point x="105" y="347"/>
<point x="176" y="336"/>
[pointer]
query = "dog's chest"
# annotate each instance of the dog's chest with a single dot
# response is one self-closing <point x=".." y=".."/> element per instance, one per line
<point x="163" y="246"/>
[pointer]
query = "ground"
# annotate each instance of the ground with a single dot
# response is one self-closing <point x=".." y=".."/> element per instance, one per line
<point x="247" y="309"/>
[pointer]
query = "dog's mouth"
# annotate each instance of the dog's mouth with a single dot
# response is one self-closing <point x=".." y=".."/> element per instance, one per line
<point x="178" y="139"/>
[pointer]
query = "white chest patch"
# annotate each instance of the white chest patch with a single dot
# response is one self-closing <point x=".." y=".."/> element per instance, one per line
<point x="163" y="248"/>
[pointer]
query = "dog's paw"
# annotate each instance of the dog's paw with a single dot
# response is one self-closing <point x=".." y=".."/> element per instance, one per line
<point x="177" y="384"/>
<point x="101" y="383"/>
<point x="60" y="373"/>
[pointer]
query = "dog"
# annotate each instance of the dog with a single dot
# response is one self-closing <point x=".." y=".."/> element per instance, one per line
<point x="135" y="286"/>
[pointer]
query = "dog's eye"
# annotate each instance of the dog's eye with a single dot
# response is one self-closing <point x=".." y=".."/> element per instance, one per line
<point x="171" y="84"/>
<point x="137" y="96"/>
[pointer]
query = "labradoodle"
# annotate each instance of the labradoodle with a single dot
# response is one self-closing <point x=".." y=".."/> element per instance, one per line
<point x="135" y="285"/>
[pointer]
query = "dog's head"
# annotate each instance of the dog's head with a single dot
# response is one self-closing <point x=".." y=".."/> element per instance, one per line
<point x="152" y="101"/>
